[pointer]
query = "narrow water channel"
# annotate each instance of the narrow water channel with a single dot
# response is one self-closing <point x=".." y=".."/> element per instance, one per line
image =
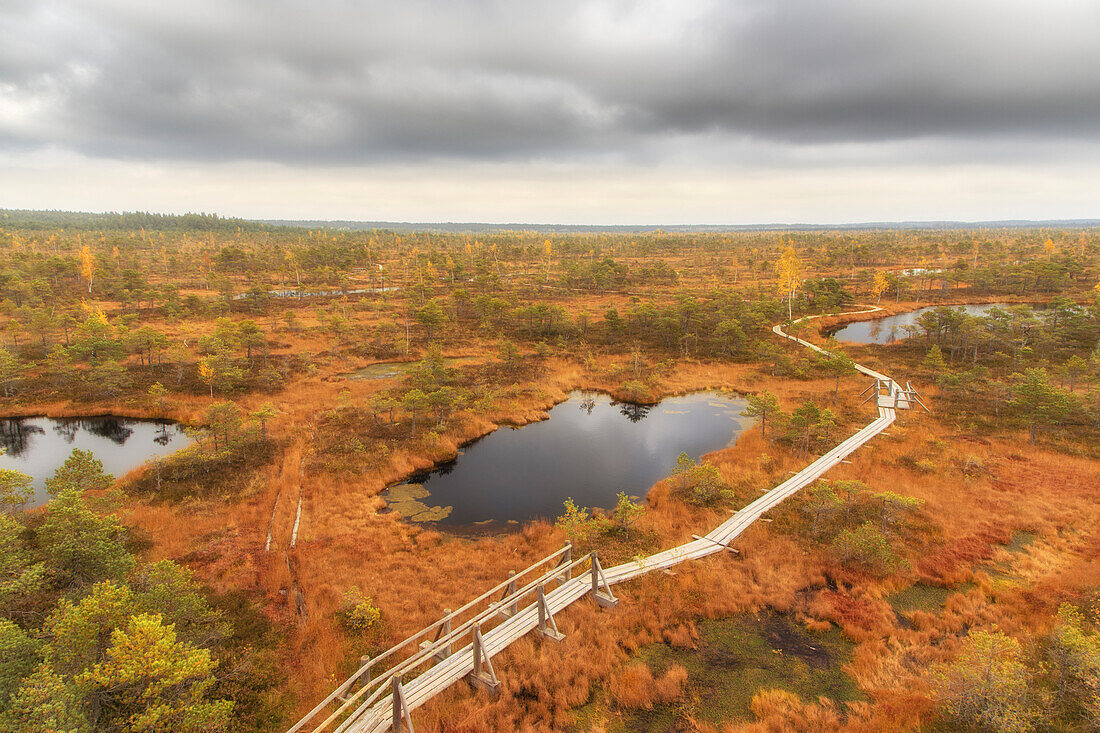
<point x="889" y="329"/>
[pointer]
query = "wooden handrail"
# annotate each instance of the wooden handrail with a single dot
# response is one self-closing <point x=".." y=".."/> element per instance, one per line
<point x="429" y="651"/>
<point x="365" y="668"/>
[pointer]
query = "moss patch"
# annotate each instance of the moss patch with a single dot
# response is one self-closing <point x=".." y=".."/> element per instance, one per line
<point x="403" y="499"/>
<point x="923" y="597"/>
<point x="1020" y="541"/>
<point x="394" y="369"/>
<point x="736" y="658"/>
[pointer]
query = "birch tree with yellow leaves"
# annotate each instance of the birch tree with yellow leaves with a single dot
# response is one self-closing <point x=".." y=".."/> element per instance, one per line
<point x="882" y="282"/>
<point x="548" y="248"/>
<point x="87" y="265"/>
<point x="789" y="271"/>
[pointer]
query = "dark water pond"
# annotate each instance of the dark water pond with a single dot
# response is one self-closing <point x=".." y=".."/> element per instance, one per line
<point x="590" y="449"/>
<point x="891" y="328"/>
<point x="37" y="446"/>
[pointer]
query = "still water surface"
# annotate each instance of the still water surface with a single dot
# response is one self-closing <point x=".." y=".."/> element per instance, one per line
<point x="590" y="449"/>
<point x="890" y="329"/>
<point x="37" y="446"/>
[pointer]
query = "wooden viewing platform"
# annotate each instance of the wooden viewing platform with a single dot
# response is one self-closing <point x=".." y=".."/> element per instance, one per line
<point x="379" y="697"/>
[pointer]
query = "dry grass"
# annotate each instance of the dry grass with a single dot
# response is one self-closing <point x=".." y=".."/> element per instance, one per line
<point x="635" y="687"/>
<point x="413" y="572"/>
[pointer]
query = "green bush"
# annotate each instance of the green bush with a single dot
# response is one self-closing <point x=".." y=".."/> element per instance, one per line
<point x="359" y="613"/>
<point x="868" y="547"/>
<point x="700" y="484"/>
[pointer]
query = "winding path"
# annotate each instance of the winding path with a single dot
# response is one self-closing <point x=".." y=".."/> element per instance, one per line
<point x="391" y="703"/>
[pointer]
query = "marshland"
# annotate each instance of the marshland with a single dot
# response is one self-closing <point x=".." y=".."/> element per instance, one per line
<point x="264" y="545"/>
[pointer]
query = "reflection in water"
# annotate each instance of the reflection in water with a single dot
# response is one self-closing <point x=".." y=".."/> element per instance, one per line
<point x="586" y="451"/>
<point x="37" y="446"/>
<point x="67" y="430"/>
<point x="875" y="331"/>
<point x="633" y="412"/>
<point x="887" y="330"/>
<point x="17" y="434"/>
<point x="108" y="427"/>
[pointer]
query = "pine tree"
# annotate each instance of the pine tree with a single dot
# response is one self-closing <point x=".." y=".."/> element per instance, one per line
<point x="763" y="405"/>
<point x="934" y="361"/>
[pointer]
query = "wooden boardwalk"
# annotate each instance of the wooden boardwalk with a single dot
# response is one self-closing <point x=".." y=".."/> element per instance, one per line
<point x="372" y="702"/>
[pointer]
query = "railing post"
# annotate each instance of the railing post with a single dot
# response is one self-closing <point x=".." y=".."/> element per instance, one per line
<point x="483" y="675"/>
<point x="400" y="709"/>
<point x="566" y="560"/>
<point x="547" y="628"/>
<point x="595" y="574"/>
<point x="512" y="608"/>
<point x="602" y="595"/>
<point x="364" y="679"/>
<point x="445" y="652"/>
<point x="444" y="631"/>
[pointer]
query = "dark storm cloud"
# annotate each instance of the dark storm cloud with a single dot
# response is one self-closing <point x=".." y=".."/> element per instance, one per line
<point x="339" y="81"/>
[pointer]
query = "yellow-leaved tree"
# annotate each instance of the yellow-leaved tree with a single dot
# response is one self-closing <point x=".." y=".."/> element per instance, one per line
<point x="789" y="271"/>
<point x="207" y="374"/>
<point x="548" y="248"/>
<point x="882" y="282"/>
<point x="87" y="265"/>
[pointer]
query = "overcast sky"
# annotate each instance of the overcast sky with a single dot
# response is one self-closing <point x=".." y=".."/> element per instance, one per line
<point x="736" y="111"/>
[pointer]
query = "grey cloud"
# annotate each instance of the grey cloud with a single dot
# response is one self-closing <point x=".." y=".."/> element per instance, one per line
<point x="338" y="81"/>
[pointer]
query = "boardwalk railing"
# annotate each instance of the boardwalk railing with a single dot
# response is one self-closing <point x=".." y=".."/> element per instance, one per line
<point x="436" y="642"/>
<point x="373" y="703"/>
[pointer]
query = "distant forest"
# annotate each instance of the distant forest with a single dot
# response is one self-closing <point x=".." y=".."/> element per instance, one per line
<point x="124" y="221"/>
<point x="134" y="220"/>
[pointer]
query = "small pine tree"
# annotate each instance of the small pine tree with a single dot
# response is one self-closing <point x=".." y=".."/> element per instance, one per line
<point x="934" y="361"/>
<point x="763" y="405"/>
<point x="82" y="472"/>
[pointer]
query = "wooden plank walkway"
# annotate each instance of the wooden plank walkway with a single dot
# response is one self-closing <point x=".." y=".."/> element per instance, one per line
<point x="379" y="712"/>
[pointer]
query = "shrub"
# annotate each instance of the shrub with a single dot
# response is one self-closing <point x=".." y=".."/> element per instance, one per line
<point x="699" y="483"/>
<point x="868" y="547"/>
<point x="358" y="612"/>
<point x="626" y="512"/>
<point x="920" y="465"/>
<point x="1072" y="656"/>
<point x="636" y="392"/>
<point x="986" y="686"/>
<point x="925" y="465"/>
<point x="632" y="687"/>
<point x="576" y="522"/>
<point x="973" y="466"/>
